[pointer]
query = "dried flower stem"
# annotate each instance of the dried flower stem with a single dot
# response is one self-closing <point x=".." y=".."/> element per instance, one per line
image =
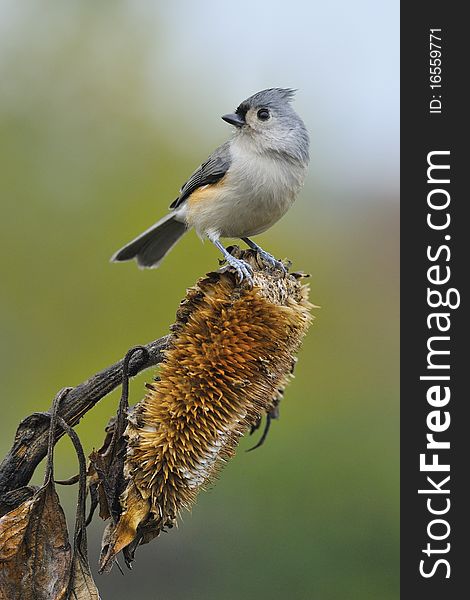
<point x="31" y="440"/>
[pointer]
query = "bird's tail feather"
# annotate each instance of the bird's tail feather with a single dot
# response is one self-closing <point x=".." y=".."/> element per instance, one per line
<point x="150" y="247"/>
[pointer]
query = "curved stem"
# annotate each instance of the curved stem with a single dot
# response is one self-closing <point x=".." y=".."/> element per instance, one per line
<point x="31" y="440"/>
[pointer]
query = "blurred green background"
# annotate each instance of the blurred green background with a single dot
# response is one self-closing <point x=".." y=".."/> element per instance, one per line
<point x="105" y="108"/>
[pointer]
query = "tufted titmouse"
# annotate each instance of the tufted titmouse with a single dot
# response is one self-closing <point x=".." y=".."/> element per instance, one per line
<point x="244" y="187"/>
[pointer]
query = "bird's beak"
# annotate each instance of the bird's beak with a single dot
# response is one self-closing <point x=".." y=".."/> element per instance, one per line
<point x="234" y="119"/>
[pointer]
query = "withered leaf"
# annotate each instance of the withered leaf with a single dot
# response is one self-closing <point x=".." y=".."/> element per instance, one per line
<point x="106" y="469"/>
<point x="118" y="537"/>
<point x="13" y="527"/>
<point x="82" y="586"/>
<point x="35" y="554"/>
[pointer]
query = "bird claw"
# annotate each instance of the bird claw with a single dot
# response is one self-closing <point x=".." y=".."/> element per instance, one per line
<point x="269" y="258"/>
<point x="243" y="269"/>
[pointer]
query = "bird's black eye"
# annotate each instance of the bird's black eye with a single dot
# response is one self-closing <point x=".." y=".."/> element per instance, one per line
<point x="263" y="114"/>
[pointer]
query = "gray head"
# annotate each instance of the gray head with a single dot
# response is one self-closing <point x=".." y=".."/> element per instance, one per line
<point x="269" y="120"/>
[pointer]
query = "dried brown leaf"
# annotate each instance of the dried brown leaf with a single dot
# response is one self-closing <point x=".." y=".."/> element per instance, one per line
<point x="105" y="472"/>
<point x="82" y="586"/>
<point x="13" y="528"/>
<point x="118" y="537"/>
<point x="35" y="553"/>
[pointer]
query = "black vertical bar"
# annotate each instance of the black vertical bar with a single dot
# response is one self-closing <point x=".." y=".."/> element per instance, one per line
<point x="423" y="132"/>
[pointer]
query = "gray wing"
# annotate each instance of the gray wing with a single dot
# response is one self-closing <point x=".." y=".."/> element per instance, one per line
<point x="210" y="171"/>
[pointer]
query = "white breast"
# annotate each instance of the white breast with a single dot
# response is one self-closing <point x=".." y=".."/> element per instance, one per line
<point x="257" y="191"/>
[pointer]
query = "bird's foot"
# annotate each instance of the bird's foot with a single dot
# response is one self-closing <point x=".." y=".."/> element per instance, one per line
<point x="269" y="258"/>
<point x="243" y="269"/>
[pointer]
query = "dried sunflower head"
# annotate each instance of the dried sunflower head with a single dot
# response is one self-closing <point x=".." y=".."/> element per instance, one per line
<point x="230" y="356"/>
